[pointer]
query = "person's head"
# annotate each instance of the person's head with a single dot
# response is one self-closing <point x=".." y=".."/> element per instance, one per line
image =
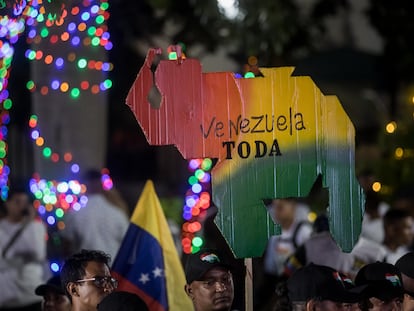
<point x="122" y="301"/>
<point x="319" y="288"/>
<point x="92" y="180"/>
<point x="406" y="266"/>
<point x="54" y="297"/>
<point x="398" y="226"/>
<point x="209" y="281"/>
<point x="18" y="204"/>
<point x="283" y="211"/>
<point x="86" y="279"/>
<point x="404" y="199"/>
<point x="382" y="287"/>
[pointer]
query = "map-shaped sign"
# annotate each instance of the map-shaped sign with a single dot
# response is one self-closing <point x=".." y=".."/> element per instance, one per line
<point x="272" y="135"/>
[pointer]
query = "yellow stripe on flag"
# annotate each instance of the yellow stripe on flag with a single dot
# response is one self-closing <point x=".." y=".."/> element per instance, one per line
<point x="148" y="214"/>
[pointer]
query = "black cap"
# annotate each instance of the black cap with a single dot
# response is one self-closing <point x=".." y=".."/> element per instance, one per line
<point x="382" y="280"/>
<point x="122" y="301"/>
<point x="318" y="282"/>
<point x="53" y="284"/>
<point x="406" y="264"/>
<point x="200" y="263"/>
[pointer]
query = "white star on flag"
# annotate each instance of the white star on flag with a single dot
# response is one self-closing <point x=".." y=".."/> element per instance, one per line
<point x="144" y="278"/>
<point x="157" y="272"/>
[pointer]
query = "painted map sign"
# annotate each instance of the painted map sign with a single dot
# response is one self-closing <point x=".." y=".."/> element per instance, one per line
<point x="272" y="135"/>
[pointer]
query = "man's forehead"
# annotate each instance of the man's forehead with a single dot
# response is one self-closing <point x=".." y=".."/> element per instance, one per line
<point x="96" y="268"/>
<point x="216" y="272"/>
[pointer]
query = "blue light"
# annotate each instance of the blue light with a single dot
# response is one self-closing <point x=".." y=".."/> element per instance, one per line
<point x="54" y="267"/>
<point x="71" y="27"/>
<point x="59" y="62"/>
<point x="75" y="40"/>
<point x="75" y="168"/>
<point x="85" y="16"/>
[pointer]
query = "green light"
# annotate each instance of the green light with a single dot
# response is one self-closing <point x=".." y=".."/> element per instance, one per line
<point x="47" y="152"/>
<point x="99" y="19"/>
<point x="104" y="6"/>
<point x="249" y="75"/>
<point x="40" y="18"/>
<point x="30" y="84"/>
<point x="2" y="144"/>
<point x="197" y="242"/>
<point x="32" y="55"/>
<point x="44" y="32"/>
<point x="91" y="30"/>
<point x="75" y="92"/>
<point x="206" y="164"/>
<point x="38" y="194"/>
<point x="95" y="41"/>
<point x="3" y="72"/>
<point x="192" y="180"/>
<point x="7" y="104"/>
<point x="2" y="153"/>
<point x="108" y="83"/>
<point x="82" y="63"/>
<point x="199" y="174"/>
<point x="172" y="56"/>
<point x="59" y="213"/>
<point x="7" y="61"/>
<point x="33" y="117"/>
<point x="195" y="249"/>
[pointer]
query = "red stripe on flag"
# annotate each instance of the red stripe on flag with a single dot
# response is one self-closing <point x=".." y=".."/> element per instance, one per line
<point x="126" y="285"/>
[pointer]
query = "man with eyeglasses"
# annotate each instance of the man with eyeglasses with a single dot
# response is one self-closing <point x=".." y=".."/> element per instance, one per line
<point x="209" y="282"/>
<point x="86" y="279"/>
<point x="406" y="266"/>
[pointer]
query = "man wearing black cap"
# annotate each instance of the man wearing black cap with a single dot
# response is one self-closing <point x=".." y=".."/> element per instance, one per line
<point x="209" y="282"/>
<point x="383" y="290"/>
<point x="318" y="288"/>
<point x="406" y="266"/>
<point x="54" y="297"/>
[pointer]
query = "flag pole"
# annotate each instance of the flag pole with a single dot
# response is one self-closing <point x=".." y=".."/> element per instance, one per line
<point x="248" y="284"/>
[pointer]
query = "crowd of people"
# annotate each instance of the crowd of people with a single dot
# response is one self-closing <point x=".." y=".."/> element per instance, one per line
<point x="301" y="269"/>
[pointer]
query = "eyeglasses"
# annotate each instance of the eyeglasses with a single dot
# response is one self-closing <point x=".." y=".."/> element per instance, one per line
<point x="101" y="281"/>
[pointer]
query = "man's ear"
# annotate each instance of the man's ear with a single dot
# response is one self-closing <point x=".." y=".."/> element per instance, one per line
<point x="72" y="289"/>
<point x="311" y="305"/>
<point x="188" y="290"/>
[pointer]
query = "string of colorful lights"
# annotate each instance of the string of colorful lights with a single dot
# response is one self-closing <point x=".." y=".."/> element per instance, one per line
<point x="10" y="29"/>
<point x="79" y="30"/>
<point x="197" y="201"/>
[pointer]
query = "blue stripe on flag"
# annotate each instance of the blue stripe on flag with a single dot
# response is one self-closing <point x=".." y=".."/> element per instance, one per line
<point x="140" y="260"/>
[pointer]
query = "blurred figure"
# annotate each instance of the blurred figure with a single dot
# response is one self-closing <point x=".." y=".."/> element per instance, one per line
<point x="99" y="225"/>
<point x="122" y="301"/>
<point x="209" y="281"/>
<point x="398" y="230"/>
<point x="87" y="280"/>
<point x="372" y="222"/>
<point x="294" y="233"/>
<point x="406" y="266"/>
<point x="320" y="242"/>
<point x="382" y="287"/>
<point x="23" y="253"/>
<point x="54" y="297"/>
<point x="319" y="288"/>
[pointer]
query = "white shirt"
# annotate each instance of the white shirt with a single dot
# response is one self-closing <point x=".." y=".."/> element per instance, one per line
<point x="280" y="247"/>
<point x="22" y="269"/>
<point x="99" y="225"/>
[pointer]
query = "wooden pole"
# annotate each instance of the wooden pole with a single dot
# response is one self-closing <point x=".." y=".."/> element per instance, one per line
<point x="248" y="284"/>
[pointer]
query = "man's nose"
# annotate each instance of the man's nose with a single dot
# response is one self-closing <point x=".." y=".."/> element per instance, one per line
<point x="220" y="286"/>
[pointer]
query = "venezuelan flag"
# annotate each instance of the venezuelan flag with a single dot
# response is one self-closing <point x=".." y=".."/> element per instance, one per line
<point x="147" y="262"/>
